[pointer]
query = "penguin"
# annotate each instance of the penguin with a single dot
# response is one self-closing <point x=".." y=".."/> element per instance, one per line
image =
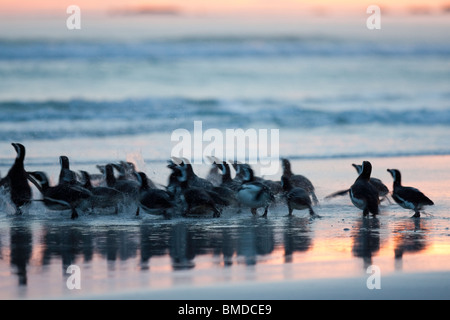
<point x="408" y="197"/>
<point x="239" y="177"/>
<point x="66" y="175"/>
<point x="241" y="171"/>
<point x="102" y="197"/>
<point x="298" y="180"/>
<point x="129" y="188"/>
<point x="236" y="182"/>
<point x="127" y="171"/>
<point x="383" y="191"/>
<point x="254" y="194"/>
<point x="296" y="198"/>
<point x="193" y="180"/>
<point x="16" y="181"/>
<point x="197" y="200"/>
<point x="60" y="197"/>
<point x="214" y="175"/>
<point x="364" y="195"/>
<point x="226" y="188"/>
<point x="173" y="184"/>
<point x="226" y="180"/>
<point x="152" y="201"/>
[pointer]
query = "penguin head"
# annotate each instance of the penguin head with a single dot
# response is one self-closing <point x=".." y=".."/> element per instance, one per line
<point x="20" y="149"/>
<point x="120" y="169"/>
<point x="141" y="177"/>
<point x="101" y="168"/>
<point x="223" y="168"/>
<point x="395" y="174"/>
<point x="183" y="177"/>
<point x="64" y="162"/>
<point x="188" y="166"/>
<point x="366" y="170"/>
<point x="86" y="176"/>
<point x="172" y="165"/>
<point x="248" y="173"/>
<point x="109" y="169"/>
<point x="109" y="175"/>
<point x="234" y="163"/>
<point x="40" y="176"/>
<point x="237" y="167"/>
<point x="358" y="167"/>
<point x="286" y="164"/>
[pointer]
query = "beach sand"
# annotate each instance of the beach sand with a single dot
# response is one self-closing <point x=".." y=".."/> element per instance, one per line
<point x="402" y="286"/>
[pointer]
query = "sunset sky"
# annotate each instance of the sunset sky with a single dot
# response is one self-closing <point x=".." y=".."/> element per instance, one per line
<point x="222" y="6"/>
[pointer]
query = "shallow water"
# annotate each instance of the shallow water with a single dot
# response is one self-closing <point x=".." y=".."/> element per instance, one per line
<point x="121" y="254"/>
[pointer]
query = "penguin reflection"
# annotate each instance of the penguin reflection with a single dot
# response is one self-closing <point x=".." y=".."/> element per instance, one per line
<point x="296" y="237"/>
<point x="255" y="239"/>
<point x="116" y="243"/>
<point x="182" y="248"/>
<point x="410" y="237"/>
<point x="186" y="241"/>
<point x="366" y="240"/>
<point x="227" y="246"/>
<point x="154" y="241"/>
<point x="21" y="240"/>
<point x="67" y="243"/>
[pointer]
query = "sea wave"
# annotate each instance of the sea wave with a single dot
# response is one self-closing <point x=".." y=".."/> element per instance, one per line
<point x="88" y="118"/>
<point x="213" y="47"/>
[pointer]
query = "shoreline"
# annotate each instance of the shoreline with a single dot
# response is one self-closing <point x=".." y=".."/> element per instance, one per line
<point x="396" y="286"/>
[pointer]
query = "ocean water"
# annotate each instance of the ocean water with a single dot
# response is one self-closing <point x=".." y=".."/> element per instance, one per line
<point x="325" y="78"/>
<point x="117" y="89"/>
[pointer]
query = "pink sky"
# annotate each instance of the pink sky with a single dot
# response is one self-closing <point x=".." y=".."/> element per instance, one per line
<point x="221" y="6"/>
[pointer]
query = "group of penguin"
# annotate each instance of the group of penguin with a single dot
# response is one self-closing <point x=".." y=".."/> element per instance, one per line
<point x="186" y="192"/>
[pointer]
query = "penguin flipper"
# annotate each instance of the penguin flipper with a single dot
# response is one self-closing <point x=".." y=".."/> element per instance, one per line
<point x="338" y="193"/>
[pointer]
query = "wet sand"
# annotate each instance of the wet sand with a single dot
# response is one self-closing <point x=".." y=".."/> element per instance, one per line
<point x="401" y="286"/>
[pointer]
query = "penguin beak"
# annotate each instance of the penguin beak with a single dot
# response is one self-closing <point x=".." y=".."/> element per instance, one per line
<point x="358" y="168"/>
<point x="392" y="172"/>
<point x="171" y="164"/>
<point x="18" y="150"/>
